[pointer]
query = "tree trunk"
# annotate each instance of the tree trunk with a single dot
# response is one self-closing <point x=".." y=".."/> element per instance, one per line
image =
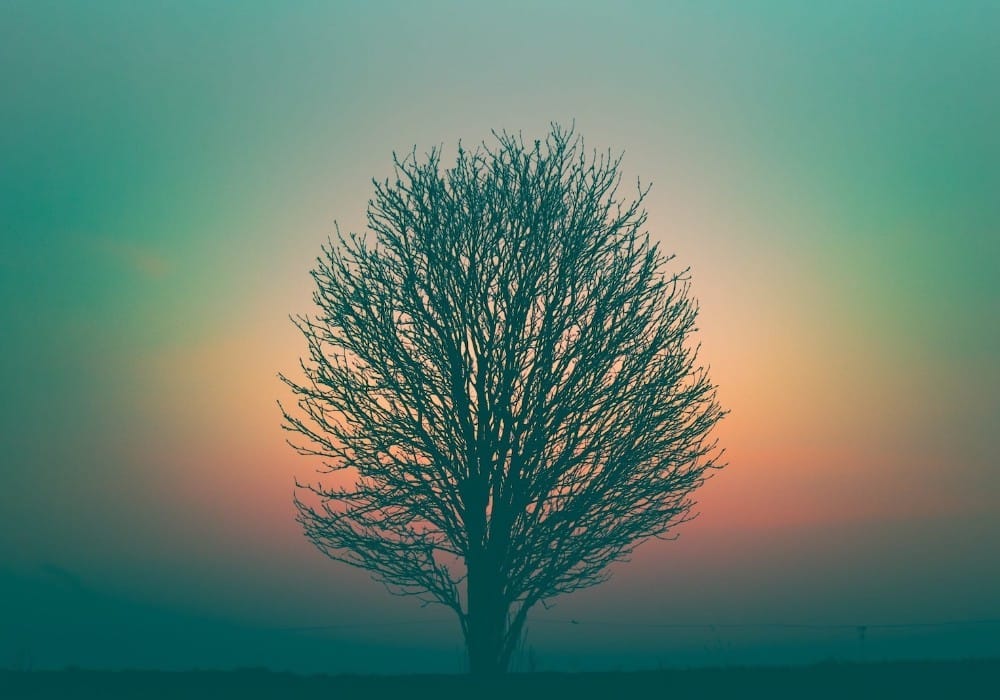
<point x="487" y="620"/>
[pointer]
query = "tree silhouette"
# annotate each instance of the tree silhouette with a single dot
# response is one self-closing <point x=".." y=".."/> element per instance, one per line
<point x="503" y="371"/>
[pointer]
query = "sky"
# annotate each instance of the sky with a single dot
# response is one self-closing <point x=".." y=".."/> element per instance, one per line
<point x="829" y="172"/>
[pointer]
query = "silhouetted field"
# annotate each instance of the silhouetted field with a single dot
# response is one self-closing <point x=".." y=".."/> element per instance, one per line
<point x="949" y="679"/>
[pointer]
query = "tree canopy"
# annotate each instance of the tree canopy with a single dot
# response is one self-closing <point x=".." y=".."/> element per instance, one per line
<point x="502" y="369"/>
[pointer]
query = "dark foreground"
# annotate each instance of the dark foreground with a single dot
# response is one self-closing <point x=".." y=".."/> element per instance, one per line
<point x="937" y="679"/>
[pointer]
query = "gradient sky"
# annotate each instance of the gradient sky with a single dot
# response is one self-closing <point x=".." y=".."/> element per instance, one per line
<point x="168" y="172"/>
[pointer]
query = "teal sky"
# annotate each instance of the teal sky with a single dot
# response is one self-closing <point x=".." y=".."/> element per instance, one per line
<point x="168" y="172"/>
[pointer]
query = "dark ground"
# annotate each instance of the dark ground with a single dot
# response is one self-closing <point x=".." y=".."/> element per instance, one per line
<point x="937" y="679"/>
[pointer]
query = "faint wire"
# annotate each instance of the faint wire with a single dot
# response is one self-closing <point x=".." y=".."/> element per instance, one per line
<point x="767" y="625"/>
<point x="662" y="625"/>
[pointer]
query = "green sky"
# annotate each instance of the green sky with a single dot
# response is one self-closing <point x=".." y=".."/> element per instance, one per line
<point x="168" y="172"/>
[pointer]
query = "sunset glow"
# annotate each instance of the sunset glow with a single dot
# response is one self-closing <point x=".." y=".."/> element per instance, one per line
<point x="829" y="174"/>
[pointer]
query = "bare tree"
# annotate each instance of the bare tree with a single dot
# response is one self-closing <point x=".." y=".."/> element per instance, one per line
<point x="503" y="370"/>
